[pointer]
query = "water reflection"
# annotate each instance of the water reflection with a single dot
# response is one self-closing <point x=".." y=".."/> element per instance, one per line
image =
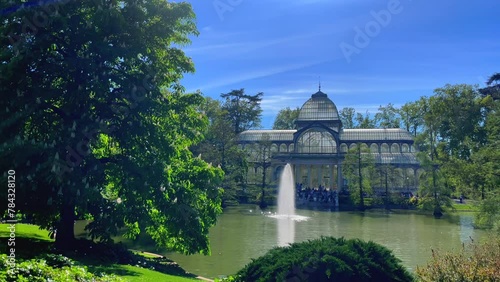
<point x="286" y="227"/>
<point x="286" y="231"/>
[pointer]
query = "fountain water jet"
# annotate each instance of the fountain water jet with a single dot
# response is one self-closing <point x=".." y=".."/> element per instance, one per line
<point x="286" y="192"/>
<point x="286" y="208"/>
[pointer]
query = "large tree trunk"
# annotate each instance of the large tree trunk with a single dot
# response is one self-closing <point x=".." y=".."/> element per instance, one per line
<point x="65" y="235"/>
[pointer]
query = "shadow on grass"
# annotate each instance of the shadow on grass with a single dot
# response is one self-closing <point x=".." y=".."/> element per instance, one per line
<point x="98" y="257"/>
<point x="116" y="269"/>
<point x="26" y="248"/>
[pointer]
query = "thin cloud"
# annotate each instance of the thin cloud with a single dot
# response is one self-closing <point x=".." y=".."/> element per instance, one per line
<point x="238" y="78"/>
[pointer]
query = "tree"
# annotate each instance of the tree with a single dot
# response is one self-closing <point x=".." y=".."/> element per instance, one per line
<point x="387" y="178"/>
<point x="364" y="121"/>
<point x="493" y="87"/>
<point x="412" y="116"/>
<point x="259" y="156"/>
<point x="433" y="191"/>
<point x="98" y="123"/>
<point x="221" y="149"/>
<point x="458" y="110"/>
<point x="286" y="118"/>
<point x="243" y="110"/>
<point x="347" y="116"/>
<point x="488" y="158"/>
<point x="387" y="117"/>
<point x="358" y="167"/>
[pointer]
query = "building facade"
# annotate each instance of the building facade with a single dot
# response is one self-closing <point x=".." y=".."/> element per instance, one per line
<point x="317" y="147"/>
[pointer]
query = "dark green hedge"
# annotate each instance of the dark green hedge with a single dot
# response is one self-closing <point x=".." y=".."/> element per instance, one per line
<point x="327" y="259"/>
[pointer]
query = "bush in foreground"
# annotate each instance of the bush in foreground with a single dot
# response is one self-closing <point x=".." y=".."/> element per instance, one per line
<point x="49" y="268"/>
<point x="326" y="259"/>
<point x="475" y="262"/>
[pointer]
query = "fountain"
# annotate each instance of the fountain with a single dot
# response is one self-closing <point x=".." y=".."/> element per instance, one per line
<point x="286" y="193"/>
<point x="286" y="208"/>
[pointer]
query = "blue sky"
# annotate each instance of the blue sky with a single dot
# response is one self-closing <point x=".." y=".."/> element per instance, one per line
<point x="367" y="53"/>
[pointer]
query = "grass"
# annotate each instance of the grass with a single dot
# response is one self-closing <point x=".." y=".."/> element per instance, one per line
<point x="133" y="273"/>
<point x="32" y="241"/>
<point x="26" y="231"/>
<point x="467" y="206"/>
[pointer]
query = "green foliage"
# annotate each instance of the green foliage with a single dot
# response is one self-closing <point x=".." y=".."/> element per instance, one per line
<point x="387" y="117"/>
<point x="457" y="116"/>
<point x="475" y="262"/>
<point x="493" y="87"/>
<point x="243" y="110"/>
<point x="433" y="191"/>
<point x="98" y="123"/>
<point x="259" y="156"/>
<point x="412" y="116"/>
<point x="231" y="278"/>
<point x="220" y="149"/>
<point x="326" y="259"/>
<point x="347" y="115"/>
<point x="359" y="170"/>
<point x="286" y="118"/>
<point x="51" y="268"/>
<point x="364" y="121"/>
<point x="488" y="216"/>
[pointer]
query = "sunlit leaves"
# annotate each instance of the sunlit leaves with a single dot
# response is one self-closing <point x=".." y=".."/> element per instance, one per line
<point x="100" y="90"/>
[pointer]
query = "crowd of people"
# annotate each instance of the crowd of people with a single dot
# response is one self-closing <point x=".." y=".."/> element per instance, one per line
<point x="317" y="194"/>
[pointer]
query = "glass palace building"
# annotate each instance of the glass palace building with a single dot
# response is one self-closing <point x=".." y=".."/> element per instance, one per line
<point x="317" y="147"/>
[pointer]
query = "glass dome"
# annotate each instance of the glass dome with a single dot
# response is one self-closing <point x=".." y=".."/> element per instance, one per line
<point x="318" y="107"/>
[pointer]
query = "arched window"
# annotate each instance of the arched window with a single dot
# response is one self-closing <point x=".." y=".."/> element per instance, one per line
<point x="290" y="148"/>
<point x="282" y="148"/>
<point x="395" y="148"/>
<point x="316" y="141"/>
<point x="364" y="147"/>
<point x="405" y="148"/>
<point x="384" y="148"/>
<point x="374" y="148"/>
<point x="274" y="148"/>
<point x="343" y="148"/>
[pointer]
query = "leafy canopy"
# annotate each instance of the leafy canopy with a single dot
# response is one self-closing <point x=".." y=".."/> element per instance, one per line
<point x="95" y="122"/>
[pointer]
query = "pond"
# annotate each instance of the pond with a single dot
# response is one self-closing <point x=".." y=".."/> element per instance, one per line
<point x="245" y="232"/>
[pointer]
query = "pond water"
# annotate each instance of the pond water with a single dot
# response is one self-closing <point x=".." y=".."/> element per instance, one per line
<point x="245" y="232"/>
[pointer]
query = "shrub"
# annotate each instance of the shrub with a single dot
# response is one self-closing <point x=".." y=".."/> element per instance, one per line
<point x="475" y="262"/>
<point x="326" y="259"/>
<point x="56" y="268"/>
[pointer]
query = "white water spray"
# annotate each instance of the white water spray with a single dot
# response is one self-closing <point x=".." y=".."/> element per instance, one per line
<point x="286" y="193"/>
<point x="286" y="208"/>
